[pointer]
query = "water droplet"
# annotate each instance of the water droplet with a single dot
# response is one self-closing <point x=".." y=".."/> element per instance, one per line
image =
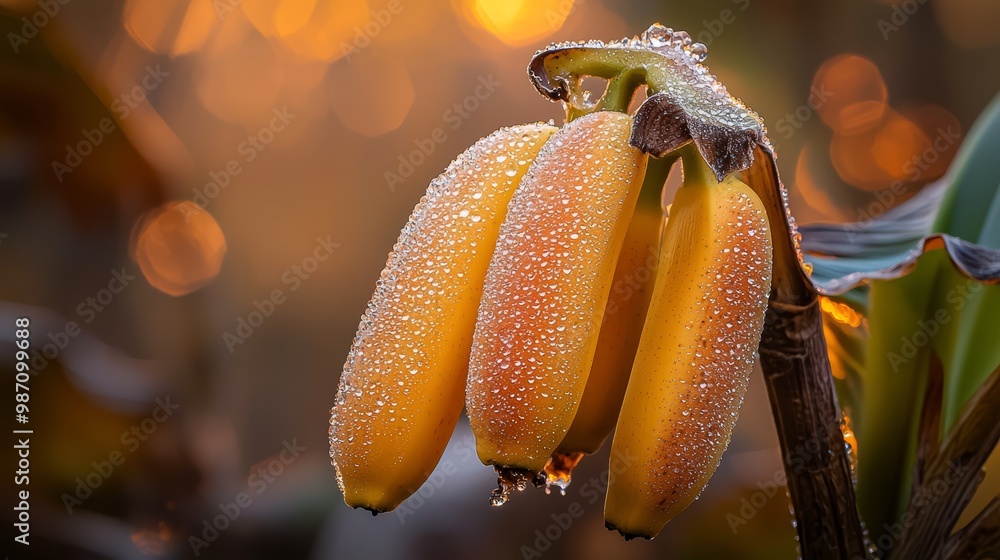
<point x="699" y="52"/>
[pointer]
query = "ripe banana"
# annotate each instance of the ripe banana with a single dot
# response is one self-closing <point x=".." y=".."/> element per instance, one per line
<point x="537" y="270"/>
<point x="621" y="329"/>
<point x="401" y="391"/>
<point x="546" y="290"/>
<point x="696" y="353"/>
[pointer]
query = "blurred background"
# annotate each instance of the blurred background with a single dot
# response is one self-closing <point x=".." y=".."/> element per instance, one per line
<point x="197" y="196"/>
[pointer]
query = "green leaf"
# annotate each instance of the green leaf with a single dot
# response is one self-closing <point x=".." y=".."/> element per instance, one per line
<point x="971" y="210"/>
<point x="933" y="265"/>
<point x="971" y="200"/>
<point x="845" y="257"/>
<point x="892" y="392"/>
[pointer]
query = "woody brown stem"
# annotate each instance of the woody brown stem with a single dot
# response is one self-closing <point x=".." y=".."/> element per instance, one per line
<point x="807" y="416"/>
<point x="951" y="477"/>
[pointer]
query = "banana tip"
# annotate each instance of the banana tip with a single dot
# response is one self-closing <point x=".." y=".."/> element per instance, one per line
<point x="626" y="534"/>
<point x="372" y="509"/>
<point x="510" y="479"/>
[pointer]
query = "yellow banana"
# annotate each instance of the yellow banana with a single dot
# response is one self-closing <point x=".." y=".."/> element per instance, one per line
<point x="621" y="329"/>
<point x="546" y="289"/>
<point x="401" y="391"/>
<point x="696" y="353"/>
<point x="537" y="269"/>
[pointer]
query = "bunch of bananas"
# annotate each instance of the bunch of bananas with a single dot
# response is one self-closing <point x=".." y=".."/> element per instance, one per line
<point x="521" y="288"/>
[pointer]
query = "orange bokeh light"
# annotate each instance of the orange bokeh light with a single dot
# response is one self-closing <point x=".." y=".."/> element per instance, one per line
<point x="172" y="28"/>
<point x="326" y="33"/>
<point x="898" y="144"/>
<point x="397" y="22"/>
<point x="179" y="247"/>
<point x="914" y="145"/>
<point x="971" y="24"/>
<point x="853" y="158"/>
<point x="853" y="93"/>
<point x="840" y="312"/>
<point x="847" y="429"/>
<point x="516" y="22"/>
<point x="896" y="150"/>
<point x="278" y="17"/>
<point x="809" y="189"/>
<point x="860" y="116"/>
<point x="371" y="110"/>
<point x="239" y="85"/>
<point x="154" y="542"/>
<point x="943" y="131"/>
<point x="837" y="367"/>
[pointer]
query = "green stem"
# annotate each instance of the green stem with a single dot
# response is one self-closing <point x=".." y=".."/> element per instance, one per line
<point x="657" y="171"/>
<point x="618" y="96"/>
<point x="573" y="112"/>
<point x="696" y="170"/>
<point x="620" y="91"/>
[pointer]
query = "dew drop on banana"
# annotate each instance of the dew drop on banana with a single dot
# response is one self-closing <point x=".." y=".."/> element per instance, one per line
<point x="546" y="290"/>
<point x="402" y="387"/>
<point x="695" y="356"/>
